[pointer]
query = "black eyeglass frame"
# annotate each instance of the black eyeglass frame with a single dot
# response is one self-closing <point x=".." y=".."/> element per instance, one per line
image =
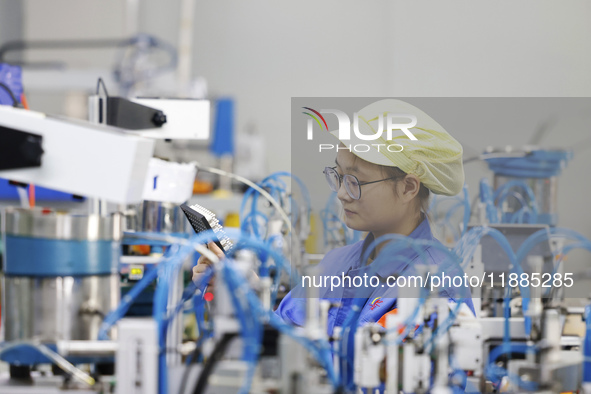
<point x="359" y="184"/>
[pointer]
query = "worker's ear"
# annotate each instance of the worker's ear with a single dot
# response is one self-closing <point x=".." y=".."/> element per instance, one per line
<point x="408" y="187"/>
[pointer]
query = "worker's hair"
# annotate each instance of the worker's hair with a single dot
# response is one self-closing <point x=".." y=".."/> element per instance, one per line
<point x="421" y="199"/>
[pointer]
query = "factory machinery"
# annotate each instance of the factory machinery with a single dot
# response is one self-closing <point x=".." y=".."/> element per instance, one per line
<point x="67" y="327"/>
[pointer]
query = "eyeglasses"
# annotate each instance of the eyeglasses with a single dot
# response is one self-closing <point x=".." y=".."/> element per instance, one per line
<point x="352" y="184"/>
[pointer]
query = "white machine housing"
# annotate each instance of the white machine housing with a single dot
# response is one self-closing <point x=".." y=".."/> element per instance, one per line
<point x="169" y="181"/>
<point x="186" y="119"/>
<point x="82" y="158"/>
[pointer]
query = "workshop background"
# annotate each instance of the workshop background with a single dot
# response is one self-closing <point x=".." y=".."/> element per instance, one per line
<point x="259" y="54"/>
<point x="262" y="53"/>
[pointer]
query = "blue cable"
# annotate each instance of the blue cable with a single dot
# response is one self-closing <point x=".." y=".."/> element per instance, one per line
<point x="167" y="276"/>
<point x="445" y="325"/>
<point x="277" y="278"/>
<point x="349" y="325"/>
<point x="467" y="210"/>
<point x="115" y="315"/>
<point x="205" y="331"/>
<point x="252" y="192"/>
<point x="159" y="314"/>
<point x="465" y="202"/>
<point x="166" y="271"/>
<point x="518" y="216"/>
<point x="189" y="293"/>
<point x="319" y="349"/>
<point x="250" y="224"/>
<point x="449" y="214"/>
<point x="264" y="252"/>
<point x="460" y="387"/>
<point x="486" y="197"/>
<point x="507" y="316"/>
<point x="566" y="250"/>
<point x="543" y="235"/>
<point x="494" y="373"/>
<point x="276" y="191"/>
<point x="329" y="216"/>
<point x="503" y="191"/>
<point x="252" y="329"/>
<point x="472" y="238"/>
<point x="301" y="184"/>
<point x="260" y="247"/>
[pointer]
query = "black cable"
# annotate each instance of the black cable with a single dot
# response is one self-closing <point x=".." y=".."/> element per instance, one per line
<point x="214" y="358"/>
<point x="195" y="356"/>
<point x="15" y="102"/>
<point x="98" y="87"/>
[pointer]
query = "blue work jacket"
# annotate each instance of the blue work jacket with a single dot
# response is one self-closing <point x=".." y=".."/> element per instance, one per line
<point x="378" y="298"/>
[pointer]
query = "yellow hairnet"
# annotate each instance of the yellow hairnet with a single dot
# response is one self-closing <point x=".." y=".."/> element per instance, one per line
<point x="435" y="157"/>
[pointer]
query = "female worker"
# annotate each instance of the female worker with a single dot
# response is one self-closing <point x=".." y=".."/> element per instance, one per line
<point x="383" y="191"/>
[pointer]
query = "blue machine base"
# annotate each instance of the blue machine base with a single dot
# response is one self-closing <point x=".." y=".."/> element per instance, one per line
<point x="28" y="355"/>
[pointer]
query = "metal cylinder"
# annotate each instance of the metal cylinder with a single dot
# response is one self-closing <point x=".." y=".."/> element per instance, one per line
<point x="48" y="224"/>
<point x="60" y="274"/>
<point x="59" y="308"/>
<point x="162" y="217"/>
<point x="538" y="169"/>
<point x="87" y="348"/>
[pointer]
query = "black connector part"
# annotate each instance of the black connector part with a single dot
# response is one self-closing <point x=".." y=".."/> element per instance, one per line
<point x="19" y="149"/>
<point x="18" y="184"/>
<point x="126" y="114"/>
<point x="202" y="219"/>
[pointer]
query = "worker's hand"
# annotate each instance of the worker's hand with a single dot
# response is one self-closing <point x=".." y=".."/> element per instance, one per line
<point x="204" y="263"/>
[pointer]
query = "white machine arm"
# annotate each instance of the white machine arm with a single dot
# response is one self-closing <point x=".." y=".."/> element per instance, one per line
<point x="82" y="158"/>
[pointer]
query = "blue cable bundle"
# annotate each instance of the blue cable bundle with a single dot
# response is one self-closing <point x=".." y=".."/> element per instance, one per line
<point x="460" y="202"/>
<point x="536" y="164"/>
<point x="351" y="321"/>
<point x="319" y="349"/>
<point x="331" y="217"/>
<point x="495" y="373"/>
<point x="486" y="197"/>
<point x="11" y="84"/>
<point x="581" y="242"/>
<point x="252" y="315"/>
<point x="461" y="253"/>
<point x="168" y="270"/>
<point x="251" y="221"/>
<point x="530" y="209"/>
<point x="493" y="202"/>
<point x="254" y="222"/>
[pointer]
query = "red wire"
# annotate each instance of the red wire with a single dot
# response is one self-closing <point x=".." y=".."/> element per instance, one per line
<point x="24" y="101"/>
<point x="32" y="195"/>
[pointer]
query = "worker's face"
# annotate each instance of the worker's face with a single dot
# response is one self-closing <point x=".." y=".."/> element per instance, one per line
<point x="378" y="210"/>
